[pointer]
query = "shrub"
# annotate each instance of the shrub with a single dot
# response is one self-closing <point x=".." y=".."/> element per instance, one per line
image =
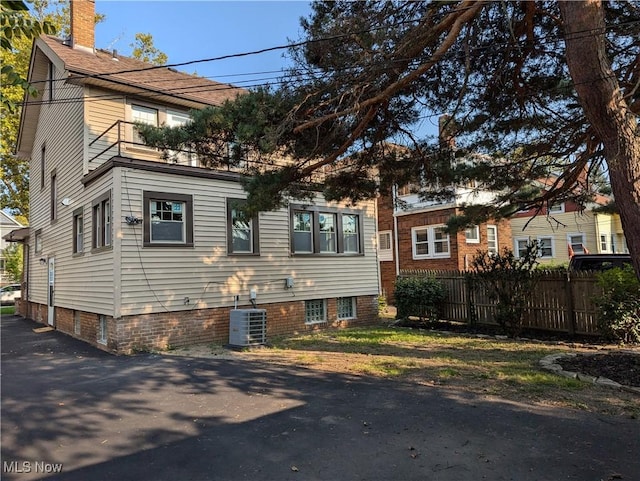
<point x="508" y="280"/>
<point x="619" y="305"/>
<point x="419" y="296"/>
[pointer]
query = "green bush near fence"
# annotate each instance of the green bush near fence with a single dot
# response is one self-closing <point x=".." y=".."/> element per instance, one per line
<point x="619" y="305"/>
<point x="420" y="297"/>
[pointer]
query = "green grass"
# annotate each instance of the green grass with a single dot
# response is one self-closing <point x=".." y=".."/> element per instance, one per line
<point x="7" y="310"/>
<point x="447" y="357"/>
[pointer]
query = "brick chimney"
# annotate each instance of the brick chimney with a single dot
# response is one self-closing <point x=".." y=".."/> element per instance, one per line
<point x="83" y="13"/>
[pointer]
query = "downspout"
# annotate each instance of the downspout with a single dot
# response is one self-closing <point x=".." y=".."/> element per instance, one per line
<point x="396" y="249"/>
<point x="377" y="241"/>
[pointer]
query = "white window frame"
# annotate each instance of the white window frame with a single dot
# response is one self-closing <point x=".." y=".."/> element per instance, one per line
<point x="315" y="311"/>
<point x="493" y="246"/>
<point x="431" y="242"/>
<point x="472" y="234"/>
<point x="583" y="241"/>
<point x="385" y="247"/>
<point x="78" y="231"/>
<point x="604" y="243"/>
<point x="348" y="308"/>
<point x="540" y="239"/>
<point x="137" y="115"/>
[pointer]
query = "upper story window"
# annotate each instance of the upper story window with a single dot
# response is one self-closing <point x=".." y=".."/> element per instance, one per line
<point x="321" y="230"/>
<point x="556" y="208"/>
<point x="51" y="81"/>
<point x="101" y="218"/>
<point x="168" y="219"/>
<point x="430" y="242"/>
<point x="242" y="232"/>
<point x="143" y="115"/>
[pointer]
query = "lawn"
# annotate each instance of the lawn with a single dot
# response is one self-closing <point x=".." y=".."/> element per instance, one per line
<point x="505" y="369"/>
<point x="7" y="310"/>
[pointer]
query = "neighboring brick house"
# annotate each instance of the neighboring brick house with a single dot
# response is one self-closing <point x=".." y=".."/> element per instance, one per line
<point x="411" y="231"/>
<point x="416" y="240"/>
<point x="127" y="250"/>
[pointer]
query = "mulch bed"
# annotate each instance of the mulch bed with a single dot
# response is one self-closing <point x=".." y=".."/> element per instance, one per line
<point x="622" y="368"/>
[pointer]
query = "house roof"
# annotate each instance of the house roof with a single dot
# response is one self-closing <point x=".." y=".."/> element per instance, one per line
<point x="8" y="220"/>
<point x="120" y="74"/>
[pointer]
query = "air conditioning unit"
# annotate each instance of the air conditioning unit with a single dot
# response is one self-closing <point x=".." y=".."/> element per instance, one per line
<point x="247" y="327"/>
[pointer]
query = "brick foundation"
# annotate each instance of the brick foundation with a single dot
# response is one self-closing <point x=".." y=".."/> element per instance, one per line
<point x="164" y="330"/>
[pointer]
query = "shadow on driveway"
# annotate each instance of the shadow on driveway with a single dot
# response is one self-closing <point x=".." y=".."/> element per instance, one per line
<point x="150" y="417"/>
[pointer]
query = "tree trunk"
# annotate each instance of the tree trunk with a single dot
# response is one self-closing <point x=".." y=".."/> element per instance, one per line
<point x="606" y="109"/>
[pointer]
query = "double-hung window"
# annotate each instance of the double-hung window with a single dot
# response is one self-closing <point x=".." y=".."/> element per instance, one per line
<point x="327" y="228"/>
<point x="321" y="230"/>
<point x="492" y="240"/>
<point x="242" y="231"/>
<point x="545" y="247"/>
<point x="143" y="115"/>
<point x="576" y="241"/>
<point x="385" y="247"/>
<point x="101" y="218"/>
<point x="302" y="232"/>
<point x="430" y="242"/>
<point x="78" y="231"/>
<point x="168" y="219"/>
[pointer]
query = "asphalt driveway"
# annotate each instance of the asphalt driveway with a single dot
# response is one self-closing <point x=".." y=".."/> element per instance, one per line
<point x="97" y="417"/>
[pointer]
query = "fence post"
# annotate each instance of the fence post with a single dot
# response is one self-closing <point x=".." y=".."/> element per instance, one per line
<point x="570" y="311"/>
<point x="471" y="308"/>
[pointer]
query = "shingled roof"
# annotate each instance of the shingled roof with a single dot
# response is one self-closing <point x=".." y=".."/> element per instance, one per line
<point x="125" y="74"/>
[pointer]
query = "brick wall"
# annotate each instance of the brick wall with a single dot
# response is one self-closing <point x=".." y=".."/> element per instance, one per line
<point x="182" y="328"/>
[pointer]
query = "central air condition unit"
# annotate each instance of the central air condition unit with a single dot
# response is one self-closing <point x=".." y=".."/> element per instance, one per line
<point x="247" y="327"/>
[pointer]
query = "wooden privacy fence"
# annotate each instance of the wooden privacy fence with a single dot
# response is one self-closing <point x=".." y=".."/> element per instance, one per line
<point x="558" y="302"/>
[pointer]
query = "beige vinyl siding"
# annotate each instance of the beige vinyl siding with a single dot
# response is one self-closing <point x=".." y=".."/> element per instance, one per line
<point x="157" y="279"/>
<point x="82" y="282"/>
<point x="565" y="224"/>
<point x="103" y="109"/>
<point x="64" y="154"/>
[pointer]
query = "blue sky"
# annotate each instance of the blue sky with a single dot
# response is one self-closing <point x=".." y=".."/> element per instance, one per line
<point x="193" y="30"/>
